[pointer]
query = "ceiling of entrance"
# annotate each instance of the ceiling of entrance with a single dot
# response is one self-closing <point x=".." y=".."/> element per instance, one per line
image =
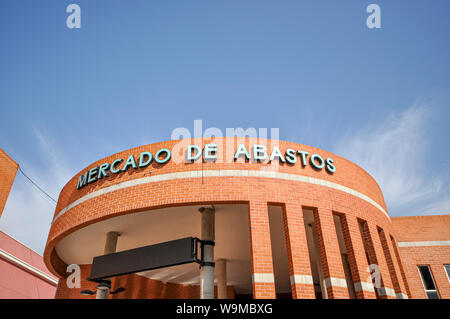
<point x="156" y="226"/>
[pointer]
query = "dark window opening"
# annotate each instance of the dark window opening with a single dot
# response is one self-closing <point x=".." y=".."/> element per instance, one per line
<point x="428" y="282"/>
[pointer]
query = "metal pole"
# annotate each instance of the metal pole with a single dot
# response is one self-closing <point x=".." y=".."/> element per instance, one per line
<point x="207" y="267"/>
<point x="103" y="290"/>
<point x="110" y="247"/>
<point x="221" y="271"/>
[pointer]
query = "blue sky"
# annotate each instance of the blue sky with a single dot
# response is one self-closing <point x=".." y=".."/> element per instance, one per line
<point x="137" y="70"/>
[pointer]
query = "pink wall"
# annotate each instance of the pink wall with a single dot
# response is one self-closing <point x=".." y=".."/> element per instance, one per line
<point x="16" y="282"/>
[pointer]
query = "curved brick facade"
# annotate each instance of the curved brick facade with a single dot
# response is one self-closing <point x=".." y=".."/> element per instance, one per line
<point x="349" y="194"/>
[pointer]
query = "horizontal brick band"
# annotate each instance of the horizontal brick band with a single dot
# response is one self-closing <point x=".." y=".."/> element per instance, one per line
<point x="221" y="173"/>
<point x="385" y="291"/>
<point x="366" y="286"/>
<point x="401" y="296"/>
<point x="335" y="282"/>
<point x="424" y="243"/>
<point x="301" y="280"/>
<point x="263" y="278"/>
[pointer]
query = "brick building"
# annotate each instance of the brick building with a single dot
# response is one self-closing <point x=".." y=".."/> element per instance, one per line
<point x="8" y="170"/>
<point x="291" y="221"/>
<point x="23" y="274"/>
<point x="424" y="248"/>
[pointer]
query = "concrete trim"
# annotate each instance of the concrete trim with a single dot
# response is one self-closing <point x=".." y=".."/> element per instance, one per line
<point x="335" y="282"/>
<point x="22" y="264"/>
<point x="385" y="291"/>
<point x="263" y="278"/>
<point x="301" y="280"/>
<point x="423" y="243"/>
<point x="220" y="173"/>
<point x="401" y="296"/>
<point x="364" y="286"/>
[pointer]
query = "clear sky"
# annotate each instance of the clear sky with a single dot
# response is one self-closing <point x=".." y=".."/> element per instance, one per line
<point x="136" y="70"/>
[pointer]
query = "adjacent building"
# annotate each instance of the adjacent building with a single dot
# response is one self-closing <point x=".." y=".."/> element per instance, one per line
<point x="23" y="274"/>
<point x="424" y="248"/>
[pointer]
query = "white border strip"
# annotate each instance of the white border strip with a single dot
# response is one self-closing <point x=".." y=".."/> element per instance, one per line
<point x="301" y="280"/>
<point x="335" y="282"/>
<point x="20" y="263"/>
<point x="366" y="286"/>
<point x="401" y="296"/>
<point x="385" y="291"/>
<point x="220" y="173"/>
<point x="423" y="243"/>
<point x="263" y="278"/>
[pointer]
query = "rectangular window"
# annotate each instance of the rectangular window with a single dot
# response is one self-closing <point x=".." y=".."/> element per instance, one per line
<point x="428" y="282"/>
<point x="447" y="270"/>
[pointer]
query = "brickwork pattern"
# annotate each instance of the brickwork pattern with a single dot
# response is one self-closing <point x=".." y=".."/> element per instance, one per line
<point x="8" y="170"/>
<point x="258" y="193"/>
<point x="424" y="229"/>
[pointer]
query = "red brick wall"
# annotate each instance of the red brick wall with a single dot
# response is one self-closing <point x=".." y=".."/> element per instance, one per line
<point x="8" y="170"/>
<point x="347" y="174"/>
<point x="423" y="229"/>
<point x="137" y="287"/>
<point x="257" y="192"/>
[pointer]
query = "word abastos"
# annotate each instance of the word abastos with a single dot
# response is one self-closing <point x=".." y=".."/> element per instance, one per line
<point x="259" y="153"/>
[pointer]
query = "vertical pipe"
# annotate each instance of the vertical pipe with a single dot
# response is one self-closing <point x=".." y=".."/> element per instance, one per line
<point x="110" y="247"/>
<point x="221" y="271"/>
<point x="207" y="270"/>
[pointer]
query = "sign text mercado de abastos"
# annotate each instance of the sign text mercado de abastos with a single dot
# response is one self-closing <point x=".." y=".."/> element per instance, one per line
<point x="193" y="152"/>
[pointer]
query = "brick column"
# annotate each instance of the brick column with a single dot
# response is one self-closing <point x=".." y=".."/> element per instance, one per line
<point x="390" y="263"/>
<point x="399" y="263"/>
<point x="8" y="171"/>
<point x="297" y="251"/>
<point x="331" y="260"/>
<point x="357" y="258"/>
<point x="386" y="290"/>
<point x="402" y="292"/>
<point x="261" y="251"/>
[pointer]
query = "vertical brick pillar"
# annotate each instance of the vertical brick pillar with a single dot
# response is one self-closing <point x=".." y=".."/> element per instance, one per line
<point x="398" y="262"/>
<point x="261" y="251"/>
<point x="375" y="252"/>
<point x="331" y="260"/>
<point x="390" y="262"/>
<point x="357" y="258"/>
<point x="8" y="170"/>
<point x="297" y="250"/>
<point x="387" y="291"/>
